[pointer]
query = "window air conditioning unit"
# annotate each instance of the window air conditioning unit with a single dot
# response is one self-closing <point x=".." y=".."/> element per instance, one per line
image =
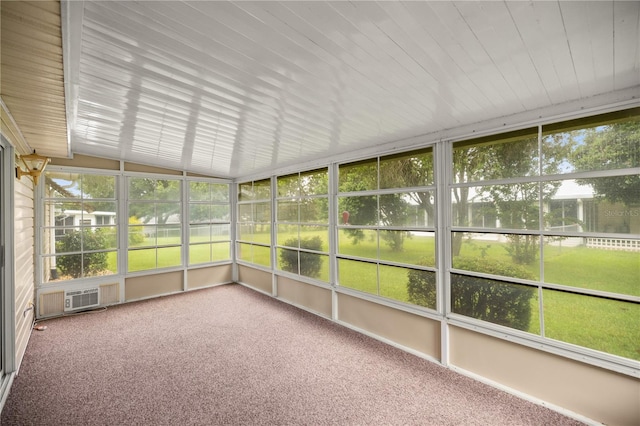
<point x="81" y="299"/>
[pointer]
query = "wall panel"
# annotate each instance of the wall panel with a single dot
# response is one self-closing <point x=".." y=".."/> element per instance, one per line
<point x="203" y="277"/>
<point x="24" y="263"/>
<point x="314" y="298"/>
<point x="409" y="330"/>
<point x="145" y="286"/>
<point x="256" y="278"/>
<point x="598" y="394"/>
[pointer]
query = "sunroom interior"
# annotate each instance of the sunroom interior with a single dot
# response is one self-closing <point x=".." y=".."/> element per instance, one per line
<point x="458" y="179"/>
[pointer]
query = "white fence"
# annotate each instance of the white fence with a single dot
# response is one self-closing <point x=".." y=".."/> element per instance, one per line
<point x="614" y="244"/>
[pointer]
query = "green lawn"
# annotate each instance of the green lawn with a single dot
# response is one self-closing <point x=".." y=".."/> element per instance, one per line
<point x="601" y="324"/>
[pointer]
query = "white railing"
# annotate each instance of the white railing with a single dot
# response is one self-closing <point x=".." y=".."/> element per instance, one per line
<point x="614" y="244"/>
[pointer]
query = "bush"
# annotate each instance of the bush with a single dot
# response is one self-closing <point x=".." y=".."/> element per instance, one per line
<point x="72" y="264"/>
<point x="136" y="236"/>
<point x="481" y="298"/>
<point x="310" y="263"/>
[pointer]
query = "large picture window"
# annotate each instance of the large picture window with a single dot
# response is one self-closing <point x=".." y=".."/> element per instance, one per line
<point x="302" y="222"/>
<point x="209" y="222"/>
<point x="254" y="222"/>
<point x="386" y="227"/>
<point x="546" y="231"/>
<point x="155" y="223"/>
<point x="80" y="231"/>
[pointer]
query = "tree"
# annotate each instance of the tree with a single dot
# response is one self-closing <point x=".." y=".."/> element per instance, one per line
<point x="615" y="145"/>
<point x="517" y="205"/>
<point x="407" y="170"/>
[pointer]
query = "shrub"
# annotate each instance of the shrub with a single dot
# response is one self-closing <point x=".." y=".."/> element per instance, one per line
<point x="136" y="236"/>
<point x="481" y="298"/>
<point x="76" y="241"/>
<point x="310" y="263"/>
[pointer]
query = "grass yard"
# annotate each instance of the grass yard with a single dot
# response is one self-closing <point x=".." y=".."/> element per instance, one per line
<point x="597" y="323"/>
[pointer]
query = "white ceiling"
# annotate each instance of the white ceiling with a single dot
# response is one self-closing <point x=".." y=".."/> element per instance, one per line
<point x="236" y="88"/>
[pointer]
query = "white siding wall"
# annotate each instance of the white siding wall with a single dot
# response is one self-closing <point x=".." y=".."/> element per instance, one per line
<point x="24" y="266"/>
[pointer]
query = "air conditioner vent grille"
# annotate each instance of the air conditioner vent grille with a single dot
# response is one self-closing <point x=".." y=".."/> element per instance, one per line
<point x="77" y="299"/>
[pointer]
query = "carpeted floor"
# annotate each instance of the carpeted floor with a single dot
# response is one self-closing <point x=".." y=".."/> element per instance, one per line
<point x="229" y="355"/>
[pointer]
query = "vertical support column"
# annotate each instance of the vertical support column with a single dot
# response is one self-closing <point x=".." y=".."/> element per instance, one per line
<point x="333" y="237"/>
<point x="274" y="256"/>
<point x="123" y="229"/>
<point x="443" y="161"/>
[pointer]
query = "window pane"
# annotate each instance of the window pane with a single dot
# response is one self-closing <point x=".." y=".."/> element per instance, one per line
<point x="199" y="253"/>
<point x="509" y="255"/>
<point x="199" y="191"/>
<point x="605" y="146"/>
<point x="262" y="234"/>
<point x="287" y="211"/>
<point x="68" y="240"/>
<point x="98" y="186"/>
<point x="199" y="233"/>
<point x="169" y="256"/>
<point x="314" y="182"/>
<point x="401" y="209"/>
<point x="262" y="255"/>
<point x="421" y="288"/>
<point x="220" y="213"/>
<point x="245" y="212"/>
<point x="289" y="186"/>
<point x="314" y="265"/>
<point x="362" y="210"/>
<point x="62" y="185"/>
<point x="314" y="210"/>
<point x="169" y="234"/>
<point x="220" y="192"/>
<point x="144" y="212"/>
<point x="415" y="248"/>
<point x="510" y="305"/>
<point x="199" y="213"/>
<point x="360" y="176"/>
<point x="607" y="204"/>
<point x="318" y="234"/>
<point x="262" y="212"/>
<point x="262" y="189"/>
<point x="514" y="206"/>
<point x="580" y="262"/>
<point x="244" y="252"/>
<point x="167" y="190"/>
<point x="99" y="211"/>
<point x="99" y="263"/>
<point x="287" y="260"/>
<point x="358" y="242"/>
<point x="142" y="189"/>
<point x="168" y="212"/>
<point x="221" y="251"/>
<point x="141" y="260"/>
<point x="141" y="236"/>
<point x="220" y="232"/>
<point x="361" y="276"/>
<point x="497" y="157"/>
<point x="100" y="238"/>
<point x="245" y="231"/>
<point x="407" y="170"/>
<point x="393" y="283"/>
<point x="606" y="325"/>
<point x="287" y="235"/>
<point x="68" y="266"/>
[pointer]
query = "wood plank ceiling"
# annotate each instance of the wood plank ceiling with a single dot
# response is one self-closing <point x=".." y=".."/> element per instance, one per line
<point x="238" y="88"/>
<point x="32" y="80"/>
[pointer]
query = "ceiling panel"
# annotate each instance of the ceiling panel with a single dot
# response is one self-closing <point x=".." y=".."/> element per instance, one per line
<point x="238" y="88"/>
<point x="31" y="82"/>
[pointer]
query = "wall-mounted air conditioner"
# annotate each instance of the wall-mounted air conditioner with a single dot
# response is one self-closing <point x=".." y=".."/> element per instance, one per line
<point x="81" y="299"/>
